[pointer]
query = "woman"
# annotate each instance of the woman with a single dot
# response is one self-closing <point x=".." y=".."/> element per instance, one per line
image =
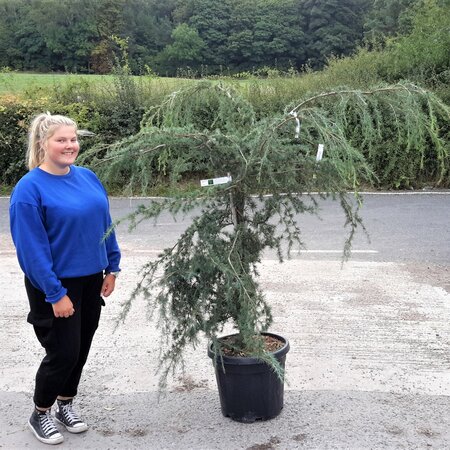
<point x="59" y="215"/>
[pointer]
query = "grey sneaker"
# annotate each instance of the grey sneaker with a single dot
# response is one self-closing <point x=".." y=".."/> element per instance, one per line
<point x="43" y="427"/>
<point x="68" y="417"/>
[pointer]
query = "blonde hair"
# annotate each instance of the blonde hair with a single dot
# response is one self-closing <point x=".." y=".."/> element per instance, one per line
<point x="42" y="127"/>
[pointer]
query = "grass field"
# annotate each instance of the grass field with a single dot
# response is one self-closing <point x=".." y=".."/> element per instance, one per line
<point x="276" y="91"/>
<point x="265" y="94"/>
<point x="18" y="83"/>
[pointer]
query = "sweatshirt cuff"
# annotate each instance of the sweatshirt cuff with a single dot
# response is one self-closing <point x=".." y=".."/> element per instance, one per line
<point x="56" y="297"/>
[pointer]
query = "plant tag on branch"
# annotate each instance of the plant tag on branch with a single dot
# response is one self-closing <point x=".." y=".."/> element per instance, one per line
<point x="215" y="181"/>
<point x="298" y="125"/>
<point x="319" y="152"/>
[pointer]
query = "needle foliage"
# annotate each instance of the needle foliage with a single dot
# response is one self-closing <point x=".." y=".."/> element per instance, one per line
<point x="209" y="278"/>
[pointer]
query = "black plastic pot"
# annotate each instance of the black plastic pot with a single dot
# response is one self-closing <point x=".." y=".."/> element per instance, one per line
<point x="249" y="389"/>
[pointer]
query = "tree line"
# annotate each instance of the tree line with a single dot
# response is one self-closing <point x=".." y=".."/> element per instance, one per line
<point x="205" y="37"/>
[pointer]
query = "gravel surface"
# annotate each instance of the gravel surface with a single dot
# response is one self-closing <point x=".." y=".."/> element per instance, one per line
<point x="369" y="365"/>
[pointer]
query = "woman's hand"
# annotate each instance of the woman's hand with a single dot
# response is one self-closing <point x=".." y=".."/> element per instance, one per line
<point x="63" y="308"/>
<point x="109" y="282"/>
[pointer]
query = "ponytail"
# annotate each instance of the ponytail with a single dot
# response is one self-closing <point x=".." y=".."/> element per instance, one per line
<point x="42" y="127"/>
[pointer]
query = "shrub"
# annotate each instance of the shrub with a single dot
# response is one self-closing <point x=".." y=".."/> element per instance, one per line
<point x="112" y="110"/>
<point x="15" y="116"/>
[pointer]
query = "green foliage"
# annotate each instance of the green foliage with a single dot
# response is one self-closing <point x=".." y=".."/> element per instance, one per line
<point x="186" y="50"/>
<point x="15" y="116"/>
<point x="111" y="109"/>
<point x="388" y="18"/>
<point x="405" y="144"/>
<point x="13" y="119"/>
<point x="334" y="27"/>
<point x="114" y="107"/>
<point x="102" y="56"/>
<point x="239" y="35"/>
<point x="149" y="27"/>
<point x="52" y="34"/>
<point x="210" y="37"/>
<point x="267" y="33"/>
<point x="424" y="53"/>
<point x="420" y="54"/>
<point x="209" y="278"/>
<point x="74" y="35"/>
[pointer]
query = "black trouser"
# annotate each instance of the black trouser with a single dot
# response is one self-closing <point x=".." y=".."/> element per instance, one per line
<point x="66" y="340"/>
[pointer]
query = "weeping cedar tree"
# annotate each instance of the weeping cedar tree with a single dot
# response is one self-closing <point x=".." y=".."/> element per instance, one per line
<point x="210" y="276"/>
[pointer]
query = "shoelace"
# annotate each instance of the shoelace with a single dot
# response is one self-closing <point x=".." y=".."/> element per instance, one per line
<point x="47" y="424"/>
<point x="69" y="414"/>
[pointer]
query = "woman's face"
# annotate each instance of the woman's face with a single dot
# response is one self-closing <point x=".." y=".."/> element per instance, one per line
<point x="61" y="149"/>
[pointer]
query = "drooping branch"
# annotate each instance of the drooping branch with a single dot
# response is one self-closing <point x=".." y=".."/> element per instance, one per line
<point x="404" y="87"/>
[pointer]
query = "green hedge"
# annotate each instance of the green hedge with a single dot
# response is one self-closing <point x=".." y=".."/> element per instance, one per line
<point x="112" y="110"/>
<point x="15" y="116"/>
<point x="109" y="123"/>
<point x="115" y="113"/>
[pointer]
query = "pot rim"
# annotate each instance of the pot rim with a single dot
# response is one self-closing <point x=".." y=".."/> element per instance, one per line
<point x="248" y="360"/>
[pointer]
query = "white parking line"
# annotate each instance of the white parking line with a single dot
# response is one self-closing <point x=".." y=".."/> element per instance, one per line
<point x="157" y="251"/>
<point x="132" y="250"/>
<point x="438" y="192"/>
<point x="333" y="251"/>
<point x="292" y="251"/>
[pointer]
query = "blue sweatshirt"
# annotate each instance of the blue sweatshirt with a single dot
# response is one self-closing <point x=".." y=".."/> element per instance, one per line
<point x="58" y="224"/>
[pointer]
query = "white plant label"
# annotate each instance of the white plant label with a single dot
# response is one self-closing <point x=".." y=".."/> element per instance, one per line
<point x="297" y="121"/>
<point x="215" y="181"/>
<point x="319" y="152"/>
